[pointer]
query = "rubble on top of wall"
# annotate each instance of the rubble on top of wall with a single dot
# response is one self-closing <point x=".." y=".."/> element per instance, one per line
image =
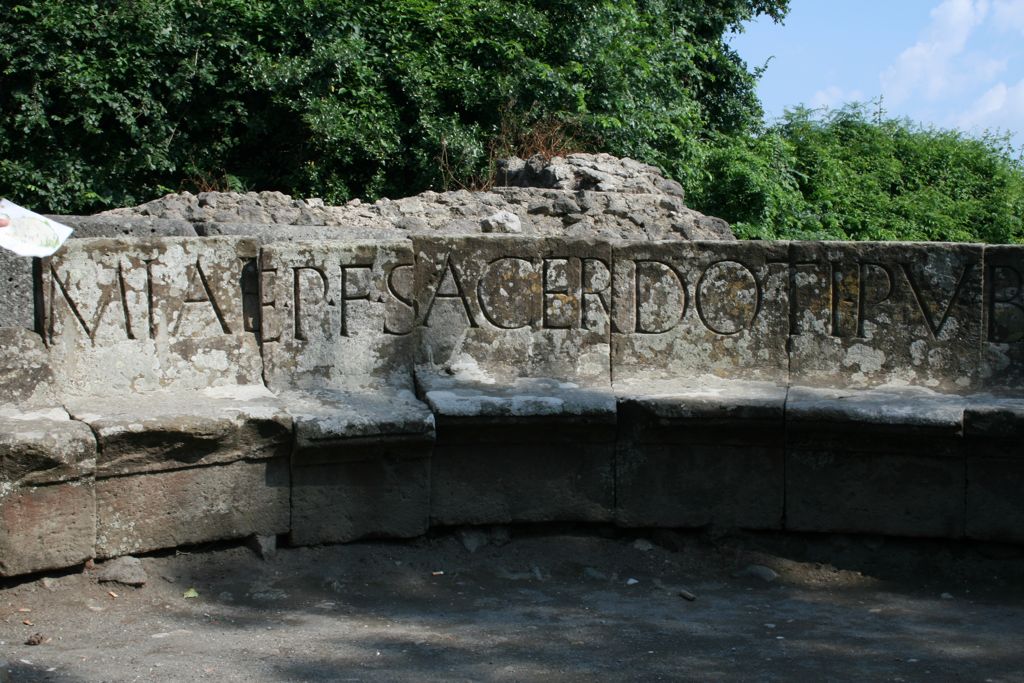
<point x="581" y="195"/>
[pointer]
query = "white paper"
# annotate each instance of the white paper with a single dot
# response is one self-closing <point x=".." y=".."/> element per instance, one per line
<point x="30" y="234"/>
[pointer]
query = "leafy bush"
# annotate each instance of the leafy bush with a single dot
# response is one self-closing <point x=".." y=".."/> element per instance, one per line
<point x="107" y="103"/>
<point x="849" y="174"/>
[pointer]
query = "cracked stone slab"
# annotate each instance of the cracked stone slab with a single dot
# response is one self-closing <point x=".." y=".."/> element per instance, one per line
<point x="43" y="446"/>
<point x="869" y="314"/>
<point x="125" y="315"/>
<point x="154" y="431"/>
<point x="691" y="309"/>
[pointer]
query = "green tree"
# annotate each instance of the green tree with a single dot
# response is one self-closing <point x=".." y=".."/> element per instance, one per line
<point x="853" y="174"/>
<point x="107" y="103"/>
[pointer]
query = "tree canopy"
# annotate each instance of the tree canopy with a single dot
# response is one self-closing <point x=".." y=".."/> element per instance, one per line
<point x="110" y="103"/>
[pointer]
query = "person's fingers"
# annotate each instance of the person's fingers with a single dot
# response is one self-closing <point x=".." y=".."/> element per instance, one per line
<point x="4" y="221"/>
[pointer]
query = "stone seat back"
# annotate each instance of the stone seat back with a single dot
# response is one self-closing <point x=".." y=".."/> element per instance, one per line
<point x="513" y="326"/>
<point x="338" y="336"/>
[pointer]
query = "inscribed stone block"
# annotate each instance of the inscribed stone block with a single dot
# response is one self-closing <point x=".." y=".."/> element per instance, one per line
<point x="866" y="314"/>
<point x="1003" y="352"/>
<point x="140" y="315"/>
<point x="497" y="308"/>
<point x="685" y="310"/>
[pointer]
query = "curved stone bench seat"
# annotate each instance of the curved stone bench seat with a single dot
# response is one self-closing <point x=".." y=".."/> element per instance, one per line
<point x="187" y="389"/>
<point x="700" y="452"/>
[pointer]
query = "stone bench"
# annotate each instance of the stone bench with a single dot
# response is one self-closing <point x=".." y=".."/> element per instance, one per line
<point x="345" y="388"/>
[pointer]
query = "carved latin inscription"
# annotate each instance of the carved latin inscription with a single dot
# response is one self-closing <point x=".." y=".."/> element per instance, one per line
<point x="871" y="309"/>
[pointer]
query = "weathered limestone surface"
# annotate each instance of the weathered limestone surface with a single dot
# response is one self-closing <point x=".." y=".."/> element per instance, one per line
<point x="1003" y="355"/>
<point x="47" y="462"/>
<point x="17" y="293"/>
<point x="46" y="527"/>
<point x="173" y="429"/>
<point x="684" y="310"/>
<point x="872" y="313"/>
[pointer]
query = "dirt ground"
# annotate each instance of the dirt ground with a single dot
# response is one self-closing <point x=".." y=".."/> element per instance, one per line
<point x="550" y="604"/>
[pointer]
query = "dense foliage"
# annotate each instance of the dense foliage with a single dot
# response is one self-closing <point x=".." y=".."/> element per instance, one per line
<point x="107" y="103"/>
<point x="852" y="174"/>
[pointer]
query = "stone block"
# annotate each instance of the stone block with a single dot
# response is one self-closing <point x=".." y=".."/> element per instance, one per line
<point x="43" y="446"/>
<point x="361" y="488"/>
<point x="337" y="315"/>
<point x="1003" y="352"/>
<point x="708" y="454"/>
<point x="687" y="310"/>
<point x="537" y="469"/>
<point x="46" y="527"/>
<point x="26" y="379"/>
<point x="881" y="461"/>
<point x="869" y="314"/>
<point x="994" y="443"/>
<point x="143" y="512"/>
<point x="497" y="308"/>
<point x="147" y="314"/>
<point x="166" y="430"/>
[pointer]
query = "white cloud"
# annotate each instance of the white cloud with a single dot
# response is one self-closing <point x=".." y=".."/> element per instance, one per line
<point x="930" y="67"/>
<point x="833" y="95"/>
<point x="1001" y="106"/>
<point x="1008" y="15"/>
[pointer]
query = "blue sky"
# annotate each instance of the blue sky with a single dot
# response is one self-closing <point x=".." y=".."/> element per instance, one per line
<point x="949" y="63"/>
